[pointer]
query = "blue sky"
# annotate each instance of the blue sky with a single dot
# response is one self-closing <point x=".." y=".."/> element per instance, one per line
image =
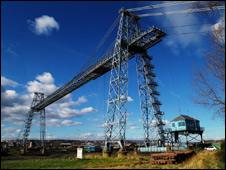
<point x="41" y="58"/>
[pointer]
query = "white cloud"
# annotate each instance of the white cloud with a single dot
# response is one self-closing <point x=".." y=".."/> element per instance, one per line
<point x="67" y="112"/>
<point x="7" y="82"/>
<point x="91" y="136"/>
<point x="80" y="100"/>
<point x="10" y="94"/>
<point x="100" y="135"/>
<point x="87" y="135"/>
<point x="154" y="122"/>
<point x="15" y="120"/>
<point x="103" y="125"/>
<point x="166" y="122"/>
<point x="15" y="106"/>
<point x="130" y="99"/>
<point x="53" y="122"/>
<point x="179" y="42"/>
<point x="18" y="130"/>
<point x="70" y="123"/>
<point x="133" y="127"/>
<point x="44" y="83"/>
<point x="46" y="78"/>
<point x="9" y="133"/>
<point x="59" y="122"/>
<point x="87" y="110"/>
<point x="183" y="19"/>
<point x="44" y="25"/>
<point x="15" y="109"/>
<point x="49" y="136"/>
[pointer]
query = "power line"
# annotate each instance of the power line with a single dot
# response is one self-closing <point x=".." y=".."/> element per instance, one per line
<point x="93" y="56"/>
<point x="107" y="34"/>
<point x="160" y="5"/>
<point x="185" y="33"/>
<point x="186" y="11"/>
<point x="189" y="25"/>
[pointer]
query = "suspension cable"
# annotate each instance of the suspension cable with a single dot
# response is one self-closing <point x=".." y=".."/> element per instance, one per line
<point x="183" y="11"/>
<point x="160" y="5"/>
<point x="107" y="34"/>
<point x="189" y="25"/>
<point x="93" y="56"/>
<point x="187" y="33"/>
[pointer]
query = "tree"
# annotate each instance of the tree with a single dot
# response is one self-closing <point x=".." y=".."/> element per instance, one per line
<point x="210" y="81"/>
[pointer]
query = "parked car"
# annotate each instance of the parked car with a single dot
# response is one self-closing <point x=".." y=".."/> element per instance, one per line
<point x="210" y="148"/>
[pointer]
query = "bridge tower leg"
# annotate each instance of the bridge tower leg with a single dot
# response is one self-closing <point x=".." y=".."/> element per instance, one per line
<point x="42" y="130"/>
<point x="150" y="106"/>
<point x="115" y="124"/>
<point x="201" y="138"/>
<point x="37" y="98"/>
<point x="26" y="131"/>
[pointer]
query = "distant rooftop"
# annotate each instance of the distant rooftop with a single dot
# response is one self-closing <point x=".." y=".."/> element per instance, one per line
<point x="183" y="117"/>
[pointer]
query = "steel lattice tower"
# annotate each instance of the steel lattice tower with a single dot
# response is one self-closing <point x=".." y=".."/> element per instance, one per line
<point x="118" y="87"/>
<point x="42" y="129"/>
<point x="150" y="106"/>
<point x="38" y="97"/>
<point x="130" y="41"/>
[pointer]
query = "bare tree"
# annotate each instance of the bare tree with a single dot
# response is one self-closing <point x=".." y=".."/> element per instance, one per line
<point x="210" y="81"/>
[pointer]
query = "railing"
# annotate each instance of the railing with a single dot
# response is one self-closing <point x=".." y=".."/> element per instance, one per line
<point x="80" y="78"/>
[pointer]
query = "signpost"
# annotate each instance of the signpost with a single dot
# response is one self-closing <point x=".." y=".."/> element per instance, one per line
<point x="80" y="153"/>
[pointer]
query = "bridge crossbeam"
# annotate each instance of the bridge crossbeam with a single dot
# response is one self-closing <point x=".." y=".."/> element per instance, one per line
<point x="142" y="42"/>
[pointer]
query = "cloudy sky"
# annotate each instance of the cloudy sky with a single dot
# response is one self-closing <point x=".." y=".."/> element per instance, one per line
<point x="45" y="44"/>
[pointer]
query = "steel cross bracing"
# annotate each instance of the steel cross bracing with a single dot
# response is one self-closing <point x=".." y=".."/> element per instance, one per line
<point x="141" y="42"/>
<point x="130" y="41"/>
<point x="42" y="129"/>
<point x="150" y="106"/>
<point x="38" y="97"/>
<point x="118" y="87"/>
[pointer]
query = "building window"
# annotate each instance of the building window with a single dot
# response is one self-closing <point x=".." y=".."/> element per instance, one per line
<point x="181" y="124"/>
<point x="173" y="124"/>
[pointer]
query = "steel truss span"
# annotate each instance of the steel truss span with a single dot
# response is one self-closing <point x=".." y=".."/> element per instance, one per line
<point x="130" y="41"/>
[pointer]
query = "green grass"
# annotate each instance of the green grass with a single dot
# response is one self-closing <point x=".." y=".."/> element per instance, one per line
<point x="202" y="160"/>
<point x="66" y="163"/>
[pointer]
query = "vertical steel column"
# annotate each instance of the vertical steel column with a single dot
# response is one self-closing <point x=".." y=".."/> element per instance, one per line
<point x="144" y="99"/>
<point x="118" y="87"/>
<point x="37" y="98"/>
<point x="42" y="130"/>
<point x="201" y="138"/>
<point x="150" y="106"/>
<point x="27" y="128"/>
<point x="118" y="91"/>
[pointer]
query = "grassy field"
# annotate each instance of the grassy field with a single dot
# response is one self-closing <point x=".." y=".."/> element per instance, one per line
<point x="202" y="160"/>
